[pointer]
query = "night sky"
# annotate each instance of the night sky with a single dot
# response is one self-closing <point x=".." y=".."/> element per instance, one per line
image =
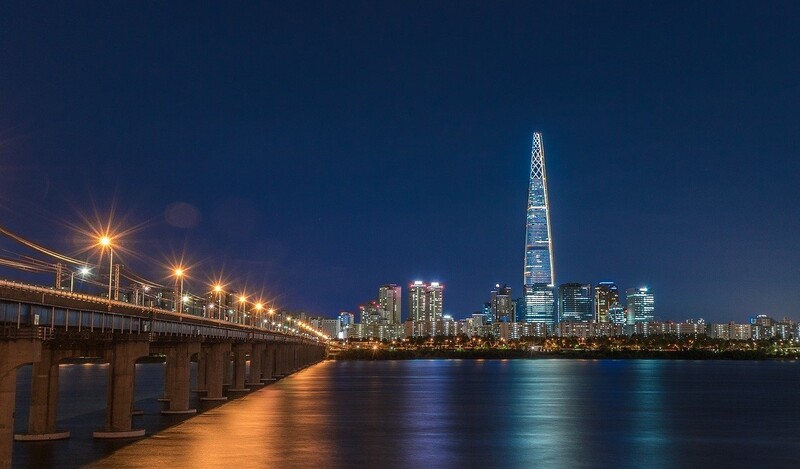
<point x="315" y="150"/>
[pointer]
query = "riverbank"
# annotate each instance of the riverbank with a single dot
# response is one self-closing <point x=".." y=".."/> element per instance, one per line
<point x="409" y="354"/>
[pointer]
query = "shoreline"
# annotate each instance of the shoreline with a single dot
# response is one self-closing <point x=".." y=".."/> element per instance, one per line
<point x="365" y="354"/>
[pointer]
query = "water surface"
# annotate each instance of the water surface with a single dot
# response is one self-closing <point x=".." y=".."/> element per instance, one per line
<point x="497" y="413"/>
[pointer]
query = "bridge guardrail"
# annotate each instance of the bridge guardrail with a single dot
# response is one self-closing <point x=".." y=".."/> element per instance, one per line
<point x="140" y="319"/>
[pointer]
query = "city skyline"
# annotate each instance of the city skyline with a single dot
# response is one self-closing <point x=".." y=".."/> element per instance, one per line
<point x="320" y="150"/>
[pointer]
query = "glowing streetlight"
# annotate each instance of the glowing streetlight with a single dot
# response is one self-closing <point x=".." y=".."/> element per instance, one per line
<point x="105" y="242"/>
<point x="179" y="275"/>
<point x="259" y="307"/>
<point x="84" y="271"/>
<point x="242" y="308"/>
<point x="218" y="291"/>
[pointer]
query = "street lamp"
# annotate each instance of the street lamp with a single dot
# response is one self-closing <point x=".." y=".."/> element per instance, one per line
<point x="179" y="275"/>
<point x="84" y="272"/>
<point x="218" y="290"/>
<point x="242" y="308"/>
<point x="259" y="306"/>
<point x="105" y="242"/>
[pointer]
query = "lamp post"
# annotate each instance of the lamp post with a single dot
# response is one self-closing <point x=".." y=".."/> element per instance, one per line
<point x="242" y="309"/>
<point x="179" y="275"/>
<point x="259" y="307"/>
<point x="105" y="242"/>
<point x="84" y="272"/>
<point x="218" y="290"/>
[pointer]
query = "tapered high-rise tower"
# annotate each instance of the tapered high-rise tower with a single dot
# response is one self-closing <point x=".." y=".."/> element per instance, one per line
<point x="538" y="275"/>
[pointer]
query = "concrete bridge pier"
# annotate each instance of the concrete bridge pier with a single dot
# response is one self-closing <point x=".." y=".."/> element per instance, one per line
<point x="240" y="352"/>
<point x="226" y="369"/>
<point x="305" y="357"/>
<point x="294" y="362"/>
<point x="280" y="362"/>
<point x="202" y="365"/>
<point x="122" y="356"/>
<point x="287" y="360"/>
<point x="302" y="360"/>
<point x="176" y="382"/>
<point x="14" y="353"/>
<point x="256" y="364"/>
<point x="268" y="365"/>
<point x="216" y="356"/>
<point x="44" y="399"/>
<point x="169" y="380"/>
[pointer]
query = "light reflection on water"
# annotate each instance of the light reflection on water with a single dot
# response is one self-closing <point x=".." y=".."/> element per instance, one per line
<point x="508" y="413"/>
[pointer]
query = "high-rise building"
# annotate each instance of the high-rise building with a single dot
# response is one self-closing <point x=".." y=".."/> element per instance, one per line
<point x="417" y="301"/>
<point x="390" y="301"/>
<point x="425" y="301"/>
<point x="616" y="315"/>
<point x="575" y="302"/>
<point x="346" y="318"/>
<point x="538" y="272"/>
<point x="641" y="305"/>
<point x="539" y="303"/>
<point x="502" y="304"/>
<point x="486" y="310"/>
<point x="606" y="295"/>
<point x="435" y="301"/>
<point x="371" y="313"/>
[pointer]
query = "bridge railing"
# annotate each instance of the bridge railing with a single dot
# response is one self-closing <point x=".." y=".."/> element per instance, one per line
<point x="120" y="317"/>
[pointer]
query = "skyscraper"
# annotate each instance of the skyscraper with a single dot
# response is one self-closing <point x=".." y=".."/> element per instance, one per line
<point x="435" y="301"/>
<point x="616" y="315"/>
<point x="538" y="272"/>
<point x="575" y="302"/>
<point x="417" y="301"/>
<point x="502" y="304"/>
<point x="390" y="301"/>
<point x="641" y="305"/>
<point x="606" y="295"/>
<point x="425" y="302"/>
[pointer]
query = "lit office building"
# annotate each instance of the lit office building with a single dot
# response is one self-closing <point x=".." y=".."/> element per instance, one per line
<point x="617" y="315"/>
<point x="390" y="301"/>
<point x="539" y="300"/>
<point x="502" y="305"/>
<point x="606" y="296"/>
<point x="486" y="310"/>
<point x="425" y="302"/>
<point x="575" y="302"/>
<point x="417" y="301"/>
<point x="641" y="305"/>
<point x="436" y="301"/>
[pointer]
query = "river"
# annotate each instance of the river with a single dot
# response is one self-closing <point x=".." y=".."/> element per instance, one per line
<point x="455" y="414"/>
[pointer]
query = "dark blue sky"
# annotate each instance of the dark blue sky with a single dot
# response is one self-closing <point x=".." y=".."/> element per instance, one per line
<point x="329" y="147"/>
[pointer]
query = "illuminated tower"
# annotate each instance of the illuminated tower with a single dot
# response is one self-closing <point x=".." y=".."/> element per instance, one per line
<point x="417" y="301"/>
<point x="502" y="305"/>
<point x="538" y="275"/>
<point x="435" y="301"/>
<point x="389" y="299"/>
<point x="606" y="296"/>
<point x="425" y="301"/>
<point x="641" y="305"/>
<point x="575" y="302"/>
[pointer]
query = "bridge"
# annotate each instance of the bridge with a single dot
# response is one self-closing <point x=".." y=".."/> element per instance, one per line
<point x="43" y="326"/>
